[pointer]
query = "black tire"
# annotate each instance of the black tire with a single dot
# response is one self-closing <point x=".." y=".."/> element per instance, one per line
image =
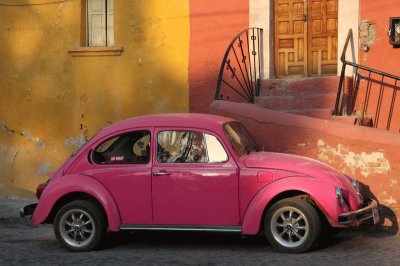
<point x="292" y="225"/>
<point x="80" y="225"/>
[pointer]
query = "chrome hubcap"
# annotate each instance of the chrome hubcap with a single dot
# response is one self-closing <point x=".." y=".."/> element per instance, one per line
<point x="289" y="227"/>
<point x="77" y="227"/>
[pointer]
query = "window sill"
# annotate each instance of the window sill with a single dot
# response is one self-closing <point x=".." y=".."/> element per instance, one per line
<point x="96" y="51"/>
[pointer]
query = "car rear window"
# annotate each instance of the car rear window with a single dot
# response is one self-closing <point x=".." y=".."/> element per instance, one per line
<point x="127" y="148"/>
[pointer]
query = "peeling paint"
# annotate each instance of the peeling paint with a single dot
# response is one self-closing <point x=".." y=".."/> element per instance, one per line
<point x="367" y="163"/>
<point x="43" y="169"/>
<point x="75" y="141"/>
<point x="6" y="129"/>
<point x="303" y="145"/>
<point x="393" y="183"/>
<point x="38" y="141"/>
<point x="367" y="32"/>
<point x="83" y="99"/>
<point x="382" y="197"/>
<point x="389" y="201"/>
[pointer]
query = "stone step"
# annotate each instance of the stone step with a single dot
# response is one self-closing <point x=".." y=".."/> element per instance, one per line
<point x="327" y="114"/>
<point x="297" y="102"/>
<point x="315" y="112"/>
<point x="320" y="85"/>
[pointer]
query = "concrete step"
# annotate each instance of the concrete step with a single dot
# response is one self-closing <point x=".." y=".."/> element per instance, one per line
<point x="297" y="102"/>
<point x="316" y="112"/>
<point x="327" y="114"/>
<point x="320" y="85"/>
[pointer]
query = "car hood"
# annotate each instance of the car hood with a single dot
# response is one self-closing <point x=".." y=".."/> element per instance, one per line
<point x="296" y="164"/>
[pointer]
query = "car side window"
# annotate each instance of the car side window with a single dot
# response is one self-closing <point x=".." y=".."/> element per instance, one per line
<point x="127" y="148"/>
<point x="176" y="146"/>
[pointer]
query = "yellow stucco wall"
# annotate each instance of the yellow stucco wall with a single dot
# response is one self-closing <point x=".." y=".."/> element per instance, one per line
<point x="51" y="101"/>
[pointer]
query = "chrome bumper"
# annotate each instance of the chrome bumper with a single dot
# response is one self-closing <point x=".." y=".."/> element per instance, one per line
<point x="355" y="217"/>
<point x="28" y="210"/>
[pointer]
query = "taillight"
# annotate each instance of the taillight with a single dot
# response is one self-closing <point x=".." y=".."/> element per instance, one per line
<point x="40" y="188"/>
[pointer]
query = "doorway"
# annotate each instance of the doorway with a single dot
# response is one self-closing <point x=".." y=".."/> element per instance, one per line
<point x="306" y="36"/>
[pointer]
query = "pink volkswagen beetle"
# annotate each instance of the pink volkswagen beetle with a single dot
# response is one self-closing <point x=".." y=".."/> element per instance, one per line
<point x="195" y="172"/>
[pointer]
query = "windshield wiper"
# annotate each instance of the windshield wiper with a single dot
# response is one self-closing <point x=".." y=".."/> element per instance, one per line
<point x="257" y="148"/>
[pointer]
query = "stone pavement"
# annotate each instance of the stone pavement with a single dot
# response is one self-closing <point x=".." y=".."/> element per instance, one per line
<point x="23" y="244"/>
<point x="9" y="207"/>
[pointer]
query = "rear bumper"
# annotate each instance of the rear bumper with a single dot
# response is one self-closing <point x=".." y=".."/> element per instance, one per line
<point x="369" y="211"/>
<point x="28" y="210"/>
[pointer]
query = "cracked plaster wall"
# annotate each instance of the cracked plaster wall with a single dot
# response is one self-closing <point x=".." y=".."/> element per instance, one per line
<point x="370" y="155"/>
<point x="52" y="102"/>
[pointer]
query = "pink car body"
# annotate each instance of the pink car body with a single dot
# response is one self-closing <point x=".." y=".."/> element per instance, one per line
<point x="234" y="194"/>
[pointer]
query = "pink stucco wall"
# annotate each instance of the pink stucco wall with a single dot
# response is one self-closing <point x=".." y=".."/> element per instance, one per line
<point x="213" y="25"/>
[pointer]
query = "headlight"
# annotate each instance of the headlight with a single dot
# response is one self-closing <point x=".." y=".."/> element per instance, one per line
<point x="340" y="199"/>
<point x="356" y="185"/>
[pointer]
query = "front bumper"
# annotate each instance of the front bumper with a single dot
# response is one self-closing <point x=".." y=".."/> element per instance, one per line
<point x="370" y="210"/>
<point x="28" y="210"/>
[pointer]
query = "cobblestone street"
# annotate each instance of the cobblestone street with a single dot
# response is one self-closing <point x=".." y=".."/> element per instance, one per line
<point x="22" y="244"/>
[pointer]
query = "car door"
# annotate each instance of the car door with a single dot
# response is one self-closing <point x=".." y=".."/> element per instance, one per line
<point x="194" y="181"/>
<point x="122" y="163"/>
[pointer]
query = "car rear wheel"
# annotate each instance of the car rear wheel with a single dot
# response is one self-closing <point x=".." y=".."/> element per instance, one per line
<point x="292" y="225"/>
<point x="80" y="225"/>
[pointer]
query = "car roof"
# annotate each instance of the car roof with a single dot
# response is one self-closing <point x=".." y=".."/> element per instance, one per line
<point x="205" y="121"/>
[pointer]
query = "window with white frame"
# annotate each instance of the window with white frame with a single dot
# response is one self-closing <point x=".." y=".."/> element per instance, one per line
<point x="100" y="22"/>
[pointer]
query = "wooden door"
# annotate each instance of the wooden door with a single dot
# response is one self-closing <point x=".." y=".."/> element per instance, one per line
<point x="322" y="37"/>
<point x="305" y="38"/>
<point x="290" y="38"/>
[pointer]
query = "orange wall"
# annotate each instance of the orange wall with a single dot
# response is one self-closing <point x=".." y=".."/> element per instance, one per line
<point x="213" y="24"/>
<point x="382" y="55"/>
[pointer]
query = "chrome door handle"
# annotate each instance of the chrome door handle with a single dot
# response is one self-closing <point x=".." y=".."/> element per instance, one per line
<point x="161" y="173"/>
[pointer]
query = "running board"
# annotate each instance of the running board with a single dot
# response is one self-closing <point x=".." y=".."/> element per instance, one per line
<point x="237" y="229"/>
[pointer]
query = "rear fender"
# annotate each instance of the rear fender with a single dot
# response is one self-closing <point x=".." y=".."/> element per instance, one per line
<point x="322" y="193"/>
<point x="65" y="185"/>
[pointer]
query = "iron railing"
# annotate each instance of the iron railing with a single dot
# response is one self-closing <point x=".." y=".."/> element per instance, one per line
<point x="241" y="68"/>
<point x="375" y="79"/>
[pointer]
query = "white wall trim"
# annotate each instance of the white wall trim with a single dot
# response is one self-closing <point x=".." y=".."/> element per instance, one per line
<point x="261" y="16"/>
<point x="349" y="18"/>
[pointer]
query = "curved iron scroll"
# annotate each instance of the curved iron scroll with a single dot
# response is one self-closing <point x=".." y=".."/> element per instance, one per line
<point x="240" y="73"/>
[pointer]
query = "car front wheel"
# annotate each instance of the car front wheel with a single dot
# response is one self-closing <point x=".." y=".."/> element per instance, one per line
<point x="292" y="225"/>
<point x="80" y="225"/>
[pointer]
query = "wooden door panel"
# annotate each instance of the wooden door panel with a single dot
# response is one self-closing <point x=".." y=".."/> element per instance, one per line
<point x="305" y="38"/>
<point x="322" y="37"/>
<point x="290" y="38"/>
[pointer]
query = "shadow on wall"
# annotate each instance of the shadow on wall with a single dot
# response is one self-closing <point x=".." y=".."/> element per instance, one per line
<point x="388" y="220"/>
<point x="37" y="94"/>
<point x="53" y="102"/>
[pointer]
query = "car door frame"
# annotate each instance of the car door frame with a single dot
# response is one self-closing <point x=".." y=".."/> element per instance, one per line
<point x="181" y="204"/>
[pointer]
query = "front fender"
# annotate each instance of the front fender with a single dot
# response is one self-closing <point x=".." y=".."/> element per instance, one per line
<point x="64" y="185"/>
<point x="323" y="193"/>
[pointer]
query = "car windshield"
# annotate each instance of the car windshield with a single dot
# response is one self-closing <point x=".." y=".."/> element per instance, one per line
<point x="241" y="140"/>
